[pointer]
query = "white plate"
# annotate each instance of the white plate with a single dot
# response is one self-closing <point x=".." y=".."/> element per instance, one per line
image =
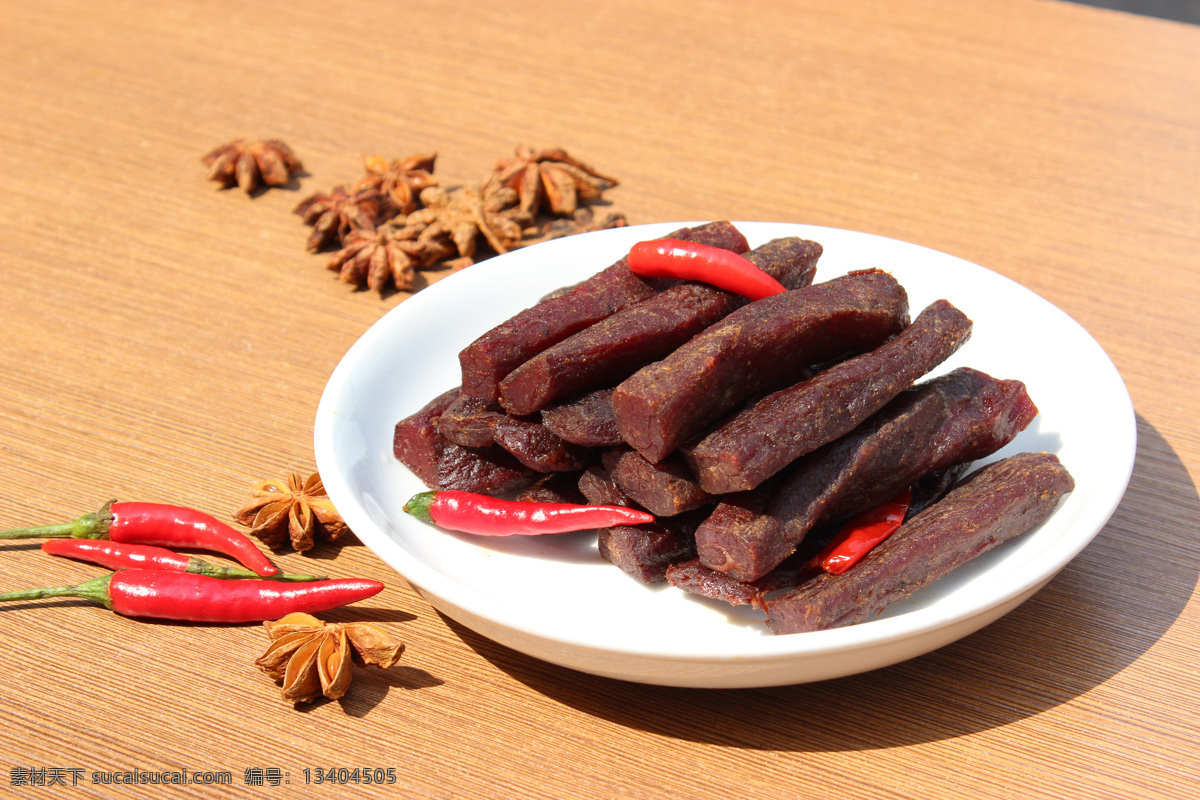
<point x="555" y="598"/>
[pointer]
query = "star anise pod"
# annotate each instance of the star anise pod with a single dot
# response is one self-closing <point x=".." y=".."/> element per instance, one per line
<point x="463" y="214"/>
<point x="549" y="179"/>
<point x="250" y="163"/>
<point x="334" y="215"/>
<point x="584" y="221"/>
<point x="294" y="510"/>
<point x="389" y="254"/>
<point x="401" y="180"/>
<point x="312" y="658"/>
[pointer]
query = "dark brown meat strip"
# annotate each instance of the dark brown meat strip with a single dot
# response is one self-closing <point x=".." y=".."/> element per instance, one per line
<point x="758" y="348"/>
<point x="586" y="420"/>
<point x="959" y="417"/>
<point x="774" y="431"/>
<point x="536" y="447"/>
<point x="470" y="421"/>
<point x="994" y="504"/>
<point x="416" y="442"/>
<point x="487" y="360"/>
<point x="642" y="551"/>
<point x="612" y="349"/>
<point x="554" y="487"/>
<point x="664" y="489"/>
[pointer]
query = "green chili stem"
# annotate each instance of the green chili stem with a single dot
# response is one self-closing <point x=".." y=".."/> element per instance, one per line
<point x="201" y="567"/>
<point x="93" y="525"/>
<point x="95" y="590"/>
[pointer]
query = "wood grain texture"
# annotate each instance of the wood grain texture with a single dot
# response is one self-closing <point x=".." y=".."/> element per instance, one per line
<point x="163" y="340"/>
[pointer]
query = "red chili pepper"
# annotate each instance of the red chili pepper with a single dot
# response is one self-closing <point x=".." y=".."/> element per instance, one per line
<point x="861" y="533"/>
<point x="145" y="556"/>
<point x="199" y="598"/>
<point x="157" y="524"/>
<point x="725" y="269"/>
<point x="491" y="516"/>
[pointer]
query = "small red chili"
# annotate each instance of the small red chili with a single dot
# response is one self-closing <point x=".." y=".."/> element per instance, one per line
<point x="145" y="556"/>
<point x="492" y="516"/>
<point x="863" y="532"/>
<point x="672" y="258"/>
<point x="156" y="524"/>
<point x="187" y="597"/>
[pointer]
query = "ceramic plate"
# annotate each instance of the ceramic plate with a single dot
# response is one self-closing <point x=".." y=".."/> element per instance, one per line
<point x="554" y="598"/>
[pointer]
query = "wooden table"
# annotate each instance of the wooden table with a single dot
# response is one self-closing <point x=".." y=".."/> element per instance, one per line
<point x="164" y="340"/>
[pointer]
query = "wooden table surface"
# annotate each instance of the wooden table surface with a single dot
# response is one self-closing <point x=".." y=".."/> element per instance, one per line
<point x="163" y="340"/>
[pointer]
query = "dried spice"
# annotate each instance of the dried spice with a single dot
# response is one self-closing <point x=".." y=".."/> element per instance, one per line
<point x="401" y="180"/>
<point x="583" y="221"/>
<point x="390" y="254"/>
<point x="336" y="214"/>
<point x="549" y="179"/>
<point x="296" y="511"/>
<point x="250" y="163"/>
<point x="461" y="215"/>
<point x="312" y="658"/>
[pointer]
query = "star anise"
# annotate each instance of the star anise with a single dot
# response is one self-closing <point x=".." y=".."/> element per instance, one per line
<point x="312" y="658"/>
<point x="584" y="221"/>
<point x="335" y="214"/>
<point x="250" y="163"/>
<point x="294" y="510"/>
<point x="389" y="254"/>
<point x="549" y="179"/>
<point x="402" y="180"/>
<point x="463" y="214"/>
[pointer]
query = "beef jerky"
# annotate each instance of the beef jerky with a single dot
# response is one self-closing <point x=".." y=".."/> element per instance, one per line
<point x="957" y="418"/>
<point x="612" y="349"/>
<point x="664" y="489"/>
<point x="555" y="487"/>
<point x="642" y="551"/>
<point x="483" y="470"/>
<point x="470" y="421"/>
<point x="992" y="505"/>
<point x="487" y="360"/>
<point x="416" y="442"/>
<point x="758" y="348"/>
<point x="585" y="420"/>
<point x="767" y="435"/>
<point x="536" y="447"/>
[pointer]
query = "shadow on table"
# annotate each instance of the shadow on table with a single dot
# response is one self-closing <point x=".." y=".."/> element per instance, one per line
<point x="1098" y="616"/>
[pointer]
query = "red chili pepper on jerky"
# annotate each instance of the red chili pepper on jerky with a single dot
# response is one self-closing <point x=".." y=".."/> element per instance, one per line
<point x="689" y="261"/>
<point x="484" y="515"/>
<point x="491" y="357"/>
<point x="157" y="524"/>
<point x="187" y="597"/>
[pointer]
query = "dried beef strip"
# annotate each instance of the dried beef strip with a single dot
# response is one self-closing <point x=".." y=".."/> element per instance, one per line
<point x="585" y="420"/>
<point x="469" y="421"/>
<point x="487" y="360"/>
<point x="642" y="551"/>
<point x="959" y="417"/>
<point x="664" y="489"/>
<point x="758" y="348"/>
<point x="767" y="435"/>
<point x="416" y="442"/>
<point x="554" y="487"/>
<point x="992" y="505"/>
<point x="536" y="447"/>
<point x="612" y="349"/>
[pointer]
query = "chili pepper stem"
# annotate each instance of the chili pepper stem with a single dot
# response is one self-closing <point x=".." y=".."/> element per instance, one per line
<point x="201" y="567"/>
<point x="95" y="590"/>
<point x="418" y="505"/>
<point x="93" y="525"/>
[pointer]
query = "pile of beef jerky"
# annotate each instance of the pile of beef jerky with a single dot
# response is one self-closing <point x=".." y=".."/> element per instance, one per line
<point x="750" y="429"/>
